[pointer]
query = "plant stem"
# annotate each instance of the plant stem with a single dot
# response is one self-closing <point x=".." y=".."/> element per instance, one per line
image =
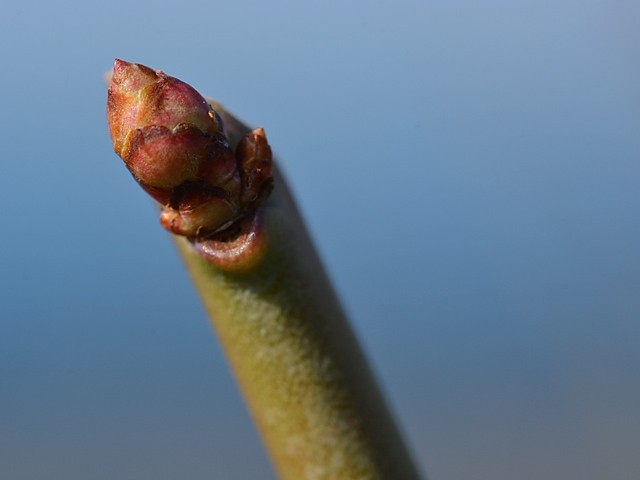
<point x="302" y="372"/>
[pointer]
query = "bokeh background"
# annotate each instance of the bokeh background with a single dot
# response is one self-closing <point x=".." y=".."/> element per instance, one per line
<point x="470" y="174"/>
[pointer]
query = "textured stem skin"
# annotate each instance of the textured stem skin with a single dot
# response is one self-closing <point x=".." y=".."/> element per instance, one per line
<point x="302" y="373"/>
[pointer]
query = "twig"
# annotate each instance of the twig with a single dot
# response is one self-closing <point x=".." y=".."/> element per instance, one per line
<point x="301" y="370"/>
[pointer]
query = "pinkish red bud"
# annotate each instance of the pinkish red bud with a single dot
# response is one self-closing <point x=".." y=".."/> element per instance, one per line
<point x="173" y="143"/>
<point x="140" y="97"/>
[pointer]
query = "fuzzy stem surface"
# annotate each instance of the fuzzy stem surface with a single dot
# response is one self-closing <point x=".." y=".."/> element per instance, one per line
<point x="303" y="375"/>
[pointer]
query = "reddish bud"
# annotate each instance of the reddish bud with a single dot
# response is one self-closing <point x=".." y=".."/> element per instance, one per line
<point x="256" y="166"/>
<point x="174" y="145"/>
<point x="140" y="97"/>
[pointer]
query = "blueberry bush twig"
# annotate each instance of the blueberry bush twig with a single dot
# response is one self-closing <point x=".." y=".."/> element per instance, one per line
<point x="299" y="366"/>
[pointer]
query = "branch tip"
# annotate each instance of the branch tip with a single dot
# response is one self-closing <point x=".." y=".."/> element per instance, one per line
<point x="174" y="144"/>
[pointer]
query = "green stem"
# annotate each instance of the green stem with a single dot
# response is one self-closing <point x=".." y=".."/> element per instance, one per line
<point x="302" y="372"/>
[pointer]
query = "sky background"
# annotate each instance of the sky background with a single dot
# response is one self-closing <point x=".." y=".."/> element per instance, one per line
<point x="469" y="171"/>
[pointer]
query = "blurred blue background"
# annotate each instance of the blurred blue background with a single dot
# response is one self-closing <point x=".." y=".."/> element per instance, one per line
<point x="470" y="174"/>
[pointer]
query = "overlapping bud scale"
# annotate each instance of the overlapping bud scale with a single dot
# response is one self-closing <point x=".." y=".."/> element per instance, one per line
<point x="174" y="145"/>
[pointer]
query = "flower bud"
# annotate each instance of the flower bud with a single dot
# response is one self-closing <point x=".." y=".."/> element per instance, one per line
<point x="174" y="145"/>
<point x="140" y="97"/>
<point x="161" y="127"/>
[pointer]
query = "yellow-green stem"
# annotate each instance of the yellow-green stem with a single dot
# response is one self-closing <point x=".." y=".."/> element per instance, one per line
<point x="300" y="368"/>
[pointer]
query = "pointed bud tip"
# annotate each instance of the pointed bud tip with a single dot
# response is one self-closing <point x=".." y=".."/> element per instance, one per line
<point x="131" y="76"/>
<point x="120" y="68"/>
<point x="119" y="64"/>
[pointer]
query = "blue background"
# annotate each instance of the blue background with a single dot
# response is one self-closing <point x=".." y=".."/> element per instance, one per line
<point x="470" y="174"/>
